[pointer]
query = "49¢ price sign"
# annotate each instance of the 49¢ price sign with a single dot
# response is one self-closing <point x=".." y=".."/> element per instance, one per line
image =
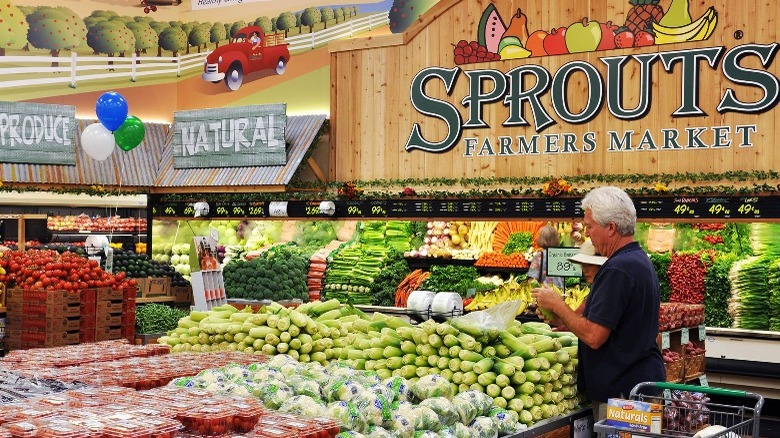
<point x="559" y="265"/>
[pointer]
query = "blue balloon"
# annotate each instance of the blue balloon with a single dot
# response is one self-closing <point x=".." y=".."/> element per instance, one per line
<point x="111" y="109"/>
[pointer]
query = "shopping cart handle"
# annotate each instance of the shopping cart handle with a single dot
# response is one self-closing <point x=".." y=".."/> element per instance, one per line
<point x="694" y="388"/>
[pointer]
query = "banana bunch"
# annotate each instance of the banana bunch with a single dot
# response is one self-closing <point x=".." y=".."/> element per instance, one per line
<point x="698" y="30"/>
<point x="509" y="291"/>
<point x="576" y="296"/>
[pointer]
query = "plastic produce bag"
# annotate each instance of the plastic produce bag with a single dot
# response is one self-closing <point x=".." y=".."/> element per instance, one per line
<point x="347" y="415"/>
<point x="457" y="430"/>
<point x="342" y="389"/>
<point x="368" y="378"/>
<point x="432" y="385"/>
<point x="305" y="386"/>
<point x="425" y="434"/>
<point x="378" y="432"/>
<point x="375" y="408"/>
<point x="350" y="434"/>
<point x="467" y="410"/>
<point x="444" y="408"/>
<point x="273" y="393"/>
<point x="402" y="425"/>
<point x="426" y="419"/>
<point x="401" y="388"/>
<point x="481" y="402"/>
<point x="385" y="391"/>
<point x="484" y="427"/>
<point x="488" y="322"/>
<point x="304" y="406"/>
<point x="507" y="420"/>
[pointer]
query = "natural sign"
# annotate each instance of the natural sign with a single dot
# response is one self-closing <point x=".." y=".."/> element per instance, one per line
<point x="37" y="133"/>
<point x="230" y="137"/>
<point x="527" y="105"/>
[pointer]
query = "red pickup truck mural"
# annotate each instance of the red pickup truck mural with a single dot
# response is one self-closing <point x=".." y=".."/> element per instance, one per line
<point x="249" y="50"/>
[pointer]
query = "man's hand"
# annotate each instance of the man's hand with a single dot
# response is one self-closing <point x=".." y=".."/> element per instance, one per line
<point x="548" y="299"/>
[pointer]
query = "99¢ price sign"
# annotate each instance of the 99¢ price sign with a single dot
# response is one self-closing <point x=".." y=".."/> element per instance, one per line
<point x="559" y="265"/>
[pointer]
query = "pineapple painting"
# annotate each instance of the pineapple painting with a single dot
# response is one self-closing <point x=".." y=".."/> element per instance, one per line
<point x="642" y="13"/>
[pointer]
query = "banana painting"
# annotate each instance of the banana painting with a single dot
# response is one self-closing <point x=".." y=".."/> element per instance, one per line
<point x="698" y="30"/>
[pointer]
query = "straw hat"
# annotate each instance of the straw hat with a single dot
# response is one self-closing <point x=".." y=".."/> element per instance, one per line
<point x="588" y="255"/>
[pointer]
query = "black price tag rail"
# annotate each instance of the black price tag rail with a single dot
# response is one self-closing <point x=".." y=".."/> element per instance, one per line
<point x="681" y="208"/>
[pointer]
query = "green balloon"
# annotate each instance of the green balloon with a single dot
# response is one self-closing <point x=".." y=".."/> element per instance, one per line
<point x="130" y="134"/>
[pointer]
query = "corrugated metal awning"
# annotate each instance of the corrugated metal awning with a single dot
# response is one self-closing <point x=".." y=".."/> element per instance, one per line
<point x="138" y="167"/>
<point x="150" y="164"/>
<point x="301" y="132"/>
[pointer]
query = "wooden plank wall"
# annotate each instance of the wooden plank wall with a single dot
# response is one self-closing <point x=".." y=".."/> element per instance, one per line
<point x="372" y="116"/>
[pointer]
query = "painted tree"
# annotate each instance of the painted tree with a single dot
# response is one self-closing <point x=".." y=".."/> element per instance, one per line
<point x="108" y="15"/>
<point x="158" y="27"/>
<point x="199" y="35"/>
<point x="326" y="15"/>
<point x="91" y="21"/>
<point x="129" y="37"/>
<point x="285" y="22"/>
<point x="238" y="25"/>
<point x="345" y="10"/>
<point x="187" y="28"/>
<point x="125" y="19"/>
<point x="354" y="10"/>
<point x="227" y="29"/>
<point x="110" y="37"/>
<point x="145" y="37"/>
<point x="144" y="19"/>
<point x="12" y="18"/>
<point x="176" y="23"/>
<point x="173" y="39"/>
<point x="274" y="27"/>
<point x="55" y="29"/>
<point x="404" y="12"/>
<point x="265" y="24"/>
<point x="217" y="34"/>
<point x="310" y="17"/>
<point x="298" y="23"/>
<point x="339" y="14"/>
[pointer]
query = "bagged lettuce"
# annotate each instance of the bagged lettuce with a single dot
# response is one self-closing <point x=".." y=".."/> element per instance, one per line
<point x="481" y="401"/>
<point x="378" y="432"/>
<point x="367" y="378"/>
<point x="304" y="406"/>
<point x="426" y="419"/>
<point x="402" y="388"/>
<point x="373" y="407"/>
<point x="484" y="427"/>
<point x="401" y="425"/>
<point x="507" y="420"/>
<point x="350" y="434"/>
<point x="273" y="393"/>
<point x="342" y="389"/>
<point x="466" y="409"/>
<point x="305" y="386"/>
<point x="382" y="390"/>
<point x="457" y="430"/>
<point x="432" y="385"/>
<point x="347" y="415"/>
<point x="444" y="408"/>
<point x="425" y="434"/>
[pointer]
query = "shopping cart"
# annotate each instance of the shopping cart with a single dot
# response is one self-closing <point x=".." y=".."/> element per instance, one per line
<point x="685" y="418"/>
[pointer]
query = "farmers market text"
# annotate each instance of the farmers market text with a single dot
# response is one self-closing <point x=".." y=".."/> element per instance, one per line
<point x="491" y="86"/>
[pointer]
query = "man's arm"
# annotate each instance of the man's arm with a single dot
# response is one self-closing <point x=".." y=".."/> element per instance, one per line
<point x="592" y="334"/>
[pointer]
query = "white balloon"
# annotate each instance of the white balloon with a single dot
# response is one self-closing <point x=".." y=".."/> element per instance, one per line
<point x="98" y="142"/>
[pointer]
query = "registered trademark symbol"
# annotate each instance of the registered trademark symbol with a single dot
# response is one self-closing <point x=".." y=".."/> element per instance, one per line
<point x="738" y="35"/>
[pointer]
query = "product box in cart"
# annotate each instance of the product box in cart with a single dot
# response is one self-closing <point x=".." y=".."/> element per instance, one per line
<point x="634" y="415"/>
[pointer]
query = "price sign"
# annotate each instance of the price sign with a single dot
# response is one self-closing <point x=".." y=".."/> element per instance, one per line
<point x="665" y="343"/>
<point x="703" y="380"/>
<point x="685" y="336"/>
<point x="256" y="209"/>
<point x="718" y="207"/>
<point x="313" y="209"/>
<point x="109" y="260"/>
<point x="702" y="334"/>
<point x="277" y="209"/>
<point x="352" y="209"/>
<point x="667" y="394"/>
<point x="559" y="265"/>
<point x="748" y="207"/>
<point x="222" y="209"/>
<point x="684" y="210"/>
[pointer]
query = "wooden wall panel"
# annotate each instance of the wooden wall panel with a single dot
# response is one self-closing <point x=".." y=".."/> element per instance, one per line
<point x="372" y="114"/>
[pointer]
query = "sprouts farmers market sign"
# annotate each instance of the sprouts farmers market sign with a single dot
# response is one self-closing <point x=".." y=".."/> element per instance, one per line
<point x="37" y="133"/>
<point x="526" y="108"/>
<point x="230" y="137"/>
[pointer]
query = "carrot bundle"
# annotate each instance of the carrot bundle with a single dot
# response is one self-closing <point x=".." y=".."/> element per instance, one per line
<point x="409" y="285"/>
<point x="500" y="260"/>
<point x="507" y="228"/>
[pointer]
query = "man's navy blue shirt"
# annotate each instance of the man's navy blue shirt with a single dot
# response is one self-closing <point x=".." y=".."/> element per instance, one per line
<point x="624" y="297"/>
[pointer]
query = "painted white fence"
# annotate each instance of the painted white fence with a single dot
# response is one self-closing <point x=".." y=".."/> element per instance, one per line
<point x="81" y="68"/>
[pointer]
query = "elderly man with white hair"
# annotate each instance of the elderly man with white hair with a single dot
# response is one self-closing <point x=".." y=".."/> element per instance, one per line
<point x="617" y="329"/>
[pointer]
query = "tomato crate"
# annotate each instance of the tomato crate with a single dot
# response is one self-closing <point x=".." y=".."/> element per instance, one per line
<point x="87" y="335"/>
<point x="63" y="324"/>
<point x="87" y="322"/>
<point x="88" y="308"/>
<point x="108" y="294"/>
<point x="44" y="310"/>
<point x="88" y="295"/>
<point x="129" y="305"/>
<point x="128" y="332"/>
<point x="108" y="333"/>
<point x="182" y="294"/>
<point x="108" y="320"/>
<point x="44" y="339"/>
<point x="17" y="295"/>
<point x="108" y="307"/>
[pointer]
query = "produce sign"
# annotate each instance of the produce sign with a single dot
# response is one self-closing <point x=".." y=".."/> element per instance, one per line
<point x="230" y="137"/>
<point x="37" y="133"/>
